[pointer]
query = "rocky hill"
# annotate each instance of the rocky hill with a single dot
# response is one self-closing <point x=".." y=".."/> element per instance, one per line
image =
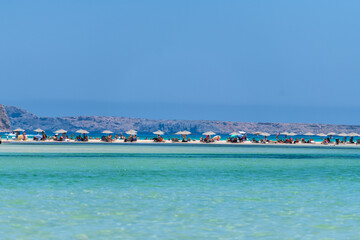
<point x="5" y="124"/>
<point x="21" y="118"/>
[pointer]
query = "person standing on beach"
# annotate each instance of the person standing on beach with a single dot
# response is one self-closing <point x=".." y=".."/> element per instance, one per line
<point x="44" y="137"/>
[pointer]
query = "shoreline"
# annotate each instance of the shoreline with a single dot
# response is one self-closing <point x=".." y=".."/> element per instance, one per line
<point x="192" y="143"/>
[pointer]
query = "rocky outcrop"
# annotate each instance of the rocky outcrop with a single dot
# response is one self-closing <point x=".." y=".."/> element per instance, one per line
<point x="21" y="118"/>
<point x="5" y="124"/>
<point x="26" y="120"/>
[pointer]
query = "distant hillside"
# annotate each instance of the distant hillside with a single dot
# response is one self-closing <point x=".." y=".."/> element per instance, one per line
<point x="5" y="124"/>
<point x="21" y="118"/>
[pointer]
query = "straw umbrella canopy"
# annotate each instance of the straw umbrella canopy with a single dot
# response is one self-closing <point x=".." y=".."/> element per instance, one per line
<point x="209" y="133"/>
<point x="257" y="133"/>
<point x="309" y="134"/>
<point x="234" y="133"/>
<point x="292" y="134"/>
<point x="353" y="134"/>
<point x="343" y="134"/>
<point x="331" y="134"/>
<point x="322" y="135"/>
<point x="242" y="132"/>
<point x="82" y="131"/>
<point x="283" y="133"/>
<point x="107" y="132"/>
<point x="38" y="130"/>
<point x="60" y="131"/>
<point x="186" y="132"/>
<point x="131" y="132"/>
<point x="179" y="133"/>
<point x="19" y="130"/>
<point x="265" y="134"/>
<point x="158" y="132"/>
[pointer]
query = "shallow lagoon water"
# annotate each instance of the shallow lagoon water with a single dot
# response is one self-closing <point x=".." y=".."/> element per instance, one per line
<point x="108" y="191"/>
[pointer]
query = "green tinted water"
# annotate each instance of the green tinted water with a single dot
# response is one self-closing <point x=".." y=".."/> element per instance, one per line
<point x="90" y="191"/>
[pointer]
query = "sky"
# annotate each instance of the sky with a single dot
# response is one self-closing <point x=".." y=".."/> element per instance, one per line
<point x="258" y="61"/>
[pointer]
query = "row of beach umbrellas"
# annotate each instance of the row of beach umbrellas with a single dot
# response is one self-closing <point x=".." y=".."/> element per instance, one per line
<point x="324" y="135"/>
<point x="312" y="134"/>
<point x="185" y="132"/>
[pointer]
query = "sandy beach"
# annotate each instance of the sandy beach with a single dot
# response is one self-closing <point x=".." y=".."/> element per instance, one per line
<point x="193" y="142"/>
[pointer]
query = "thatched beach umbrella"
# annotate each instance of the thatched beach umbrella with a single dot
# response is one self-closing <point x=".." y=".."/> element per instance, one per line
<point x="82" y="131"/>
<point x="353" y="134"/>
<point x="343" y="135"/>
<point x="234" y="134"/>
<point x="322" y="135"/>
<point x="331" y="134"/>
<point x="292" y="134"/>
<point x="265" y="134"/>
<point x="107" y="132"/>
<point x="60" y="131"/>
<point x="38" y="130"/>
<point x="131" y="132"/>
<point x="242" y="132"/>
<point x="257" y="134"/>
<point x="158" y="132"/>
<point x="183" y="133"/>
<point x="19" y="130"/>
<point x="309" y="134"/>
<point x="209" y="133"/>
<point x="284" y="133"/>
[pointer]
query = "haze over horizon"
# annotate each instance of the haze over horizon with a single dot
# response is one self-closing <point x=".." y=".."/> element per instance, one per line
<point x="245" y="61"/>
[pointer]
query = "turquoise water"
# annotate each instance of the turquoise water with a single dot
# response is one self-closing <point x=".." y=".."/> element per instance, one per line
<point x="95" y="191"/>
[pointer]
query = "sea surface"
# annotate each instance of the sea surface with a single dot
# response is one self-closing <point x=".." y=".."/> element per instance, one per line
<point x="114" y="191"/>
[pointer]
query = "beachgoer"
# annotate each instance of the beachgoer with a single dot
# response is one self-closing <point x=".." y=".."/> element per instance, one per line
<point x="44" y="137"/>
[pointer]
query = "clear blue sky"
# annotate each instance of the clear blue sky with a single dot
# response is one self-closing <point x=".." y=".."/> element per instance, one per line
<point x="282" y="61"/>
